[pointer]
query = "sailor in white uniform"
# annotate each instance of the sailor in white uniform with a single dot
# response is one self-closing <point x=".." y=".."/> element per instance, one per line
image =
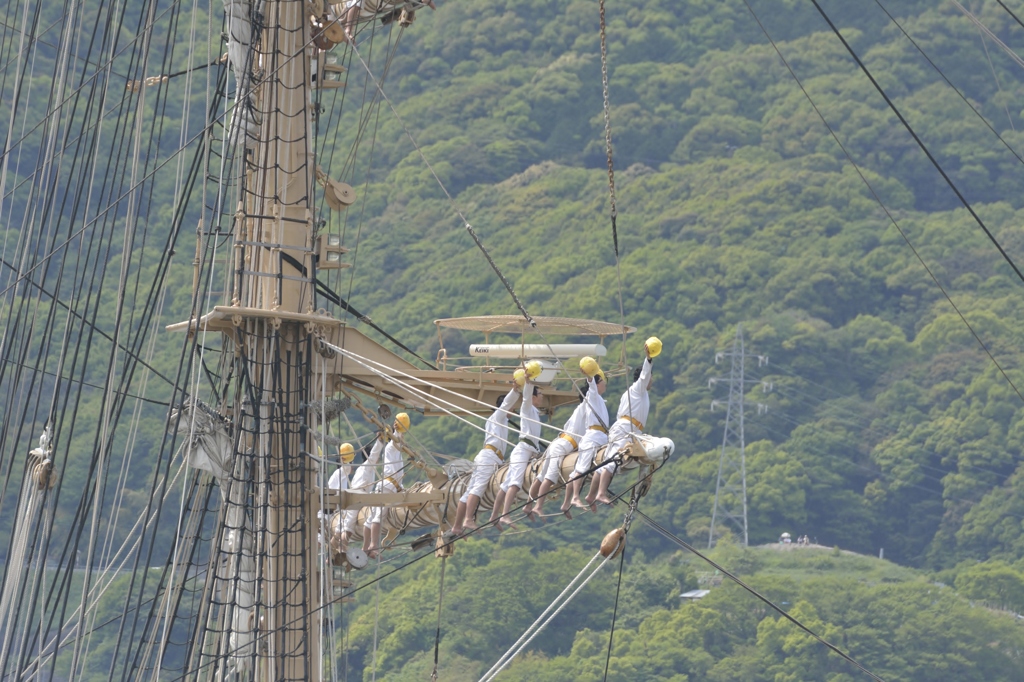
<point x="350" y="10"/>
<point x="391" y="482"/>
<point x="529" y="446"/>
<point x="362" y="481"/>
<point x="634" y="408"/>
<point x="486" y="462"/>
<point x="595" y="436"/>
<point x="336" y="483"/>
<point x="551" y="466"/>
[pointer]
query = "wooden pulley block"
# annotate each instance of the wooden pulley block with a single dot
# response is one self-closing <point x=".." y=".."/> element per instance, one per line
<point x="356" y="558"/>
<point x="346" y="195"/>
<point x="443" y="549"/>
<point x="613" y="543"/>
<point x="321" y="39"/>
<point x="332" y="28"/>
<point x="332" y="199"/>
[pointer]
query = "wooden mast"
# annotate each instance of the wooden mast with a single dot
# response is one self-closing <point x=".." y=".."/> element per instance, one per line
<point x="275" y="288"/>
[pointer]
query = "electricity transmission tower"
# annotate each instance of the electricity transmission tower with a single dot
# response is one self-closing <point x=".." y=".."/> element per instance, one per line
<point x="731" y="488"/>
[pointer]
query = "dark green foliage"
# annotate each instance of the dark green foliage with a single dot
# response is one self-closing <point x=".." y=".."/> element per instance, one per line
<point x="888" y="426"/>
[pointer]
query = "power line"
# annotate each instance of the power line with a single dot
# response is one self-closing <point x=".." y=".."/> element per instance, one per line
<point x="664" y="532"/>
<point x="950" y="83"/>
<point x="879" y="201"/>
<point x="920" y="142"/>
<point x="1010" y="12"/>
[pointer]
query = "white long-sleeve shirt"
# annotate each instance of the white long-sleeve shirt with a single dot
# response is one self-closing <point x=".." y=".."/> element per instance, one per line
<point x="529" y="418"/>
<point x="364" y="476"/>
<point x="339" y="479"/>
<point x="394" y="467"/>
<point x="635" y="403"/>
<point x="496" y="429"/>
<point x="596" y="415"/>
<point x="576" y="425"/>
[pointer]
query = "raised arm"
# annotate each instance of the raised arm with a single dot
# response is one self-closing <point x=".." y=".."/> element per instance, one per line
<point x="506" y="405"/>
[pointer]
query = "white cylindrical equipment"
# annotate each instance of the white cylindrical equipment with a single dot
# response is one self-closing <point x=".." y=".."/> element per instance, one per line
<point x="518" y="351"/>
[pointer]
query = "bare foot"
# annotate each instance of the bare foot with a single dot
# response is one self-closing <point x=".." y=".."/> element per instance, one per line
<point x="604" y="499"/>
<point x="470" y="525"/>
<point x="565" y="510"/>
<point x="505" y="523"/>
<point x="456" y="532"/>
<point x="373" y="552"/>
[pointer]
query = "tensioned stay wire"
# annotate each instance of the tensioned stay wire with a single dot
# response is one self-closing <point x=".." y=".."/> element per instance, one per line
<point x="963" y="97"/>
<point x="919" y="141"/>
<point x="881" y="204"/>
<point x="451" y="201"/>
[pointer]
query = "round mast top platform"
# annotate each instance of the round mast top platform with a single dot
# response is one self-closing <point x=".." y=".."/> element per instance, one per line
<point x="517" y="324"/>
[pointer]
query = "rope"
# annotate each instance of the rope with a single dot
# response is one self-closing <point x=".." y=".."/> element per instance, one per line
<point x="437" y="634"/>
<point x="615" y="612"/>
<point x="433" y="400"/>
<point x="376" y="620"/>
<point x="627" y="522"/>
<point x="370" y="583"/>
<point x="537" y="625"/>
<point x="465" y="222"/>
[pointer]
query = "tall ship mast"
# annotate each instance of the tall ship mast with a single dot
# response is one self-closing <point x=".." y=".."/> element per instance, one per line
<point x="263" y="550"/>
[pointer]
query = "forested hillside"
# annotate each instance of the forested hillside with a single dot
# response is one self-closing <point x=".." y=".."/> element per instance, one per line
<point x="894" y="423"/>
<point x="889" y="426"/>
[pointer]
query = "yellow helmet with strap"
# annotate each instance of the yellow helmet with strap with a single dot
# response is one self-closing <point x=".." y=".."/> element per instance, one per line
<point x="653" y="346"/>
<point x="347" y="452"/>
<point x="402" y="422"/>
<point x="589" y="366"/>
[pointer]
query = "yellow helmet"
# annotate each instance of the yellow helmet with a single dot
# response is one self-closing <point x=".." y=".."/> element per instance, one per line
<point x="653" y="346"/>
<point x="347" y="452"/>
<point x="520" y="377"/>
<point x="533" y="369"/>
<point x="402" y="422"/>
<point x="589" y="366"/>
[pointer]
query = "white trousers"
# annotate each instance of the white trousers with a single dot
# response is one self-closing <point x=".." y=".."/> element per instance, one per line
<point x="518" y="461"/>
<point x="376" y="513"/>
<point x="485" y="464"/>
<point x="588" y="448"/>
<point x="618" y="438"/>
<point x="551" y="470"/>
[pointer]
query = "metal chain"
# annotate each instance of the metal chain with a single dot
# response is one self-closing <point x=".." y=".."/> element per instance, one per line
<point x="608" y="130"/>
